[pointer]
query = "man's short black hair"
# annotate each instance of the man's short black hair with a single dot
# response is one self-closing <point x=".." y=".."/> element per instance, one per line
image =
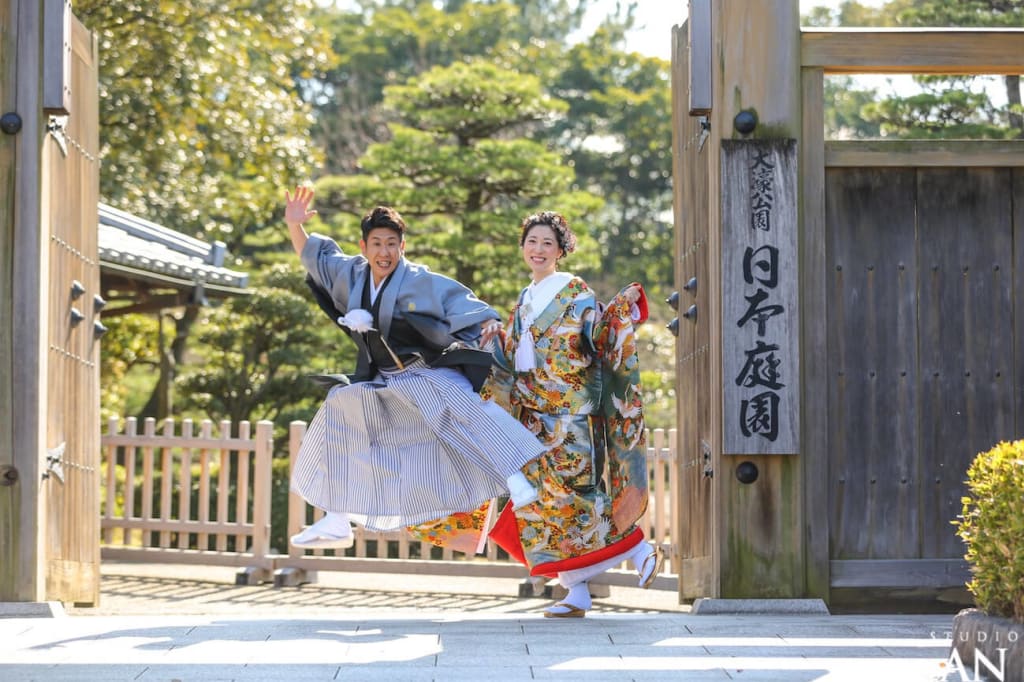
<point x="383" y="216"/>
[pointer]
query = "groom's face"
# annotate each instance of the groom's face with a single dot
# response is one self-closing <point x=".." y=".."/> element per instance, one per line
<point x="383" y="248"/>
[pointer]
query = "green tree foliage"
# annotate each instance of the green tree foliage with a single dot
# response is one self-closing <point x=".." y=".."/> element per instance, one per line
<point x="978" y="13"/>
<point x="1005" y="13"/>
<point x="386" y="43"/>
<point x="200" y="125"/>
<point x="254" y="354"/>
<point x="854" y="13"/>
<point x="461" y="176"/>
<point x="843" y="112"/>
<point x="945" y="107"/>
<point x="199" y="121"/>
<point x="129" y="344"/>
<point x="618" y="131"/>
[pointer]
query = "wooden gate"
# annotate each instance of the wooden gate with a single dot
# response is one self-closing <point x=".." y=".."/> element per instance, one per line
<point x="49" y="280"/>
<point x="70" y="196"/>
<point x="907" y="264"/>
<point x="923" y="327"/>
<point x="695" y="518"/>
<point x="910" y="263"/>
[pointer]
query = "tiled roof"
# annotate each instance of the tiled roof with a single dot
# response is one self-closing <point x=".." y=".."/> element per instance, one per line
<point x="130" y="243"/>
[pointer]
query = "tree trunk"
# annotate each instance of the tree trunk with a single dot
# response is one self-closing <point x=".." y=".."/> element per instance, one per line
<point x="1013" y="99"/>
<point x="465" y="270"/>
<point x="161" y="403"/>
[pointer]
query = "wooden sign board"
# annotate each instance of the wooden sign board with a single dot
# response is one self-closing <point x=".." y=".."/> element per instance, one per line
<point x="760" y="312"/>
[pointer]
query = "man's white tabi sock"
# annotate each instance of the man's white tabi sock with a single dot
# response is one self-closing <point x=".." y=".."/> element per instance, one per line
<point x="332" y="531"/>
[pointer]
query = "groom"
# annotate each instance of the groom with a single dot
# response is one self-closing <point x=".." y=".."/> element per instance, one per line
<point x="408" y="440"/>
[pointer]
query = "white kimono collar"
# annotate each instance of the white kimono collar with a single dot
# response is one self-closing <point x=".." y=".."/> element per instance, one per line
<point x="538" y="295"/>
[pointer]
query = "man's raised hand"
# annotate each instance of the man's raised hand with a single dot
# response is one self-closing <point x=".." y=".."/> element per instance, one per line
<point x="296" y="207"/>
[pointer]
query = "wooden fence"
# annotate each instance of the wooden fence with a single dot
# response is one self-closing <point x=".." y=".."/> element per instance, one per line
<point x="190" y="497"/>
<point x="207" y="499"/>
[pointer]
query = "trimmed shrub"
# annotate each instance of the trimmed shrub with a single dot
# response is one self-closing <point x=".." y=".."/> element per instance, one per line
<point x="992" y="526"/>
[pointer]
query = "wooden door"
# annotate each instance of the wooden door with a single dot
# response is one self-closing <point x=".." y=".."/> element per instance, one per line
<point x="695" y="561"/>
<point x="70" y="507"/>
<point x="921" y="267"/>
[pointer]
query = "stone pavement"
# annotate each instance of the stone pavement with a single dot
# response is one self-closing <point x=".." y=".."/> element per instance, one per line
<point x="192" y="623"/>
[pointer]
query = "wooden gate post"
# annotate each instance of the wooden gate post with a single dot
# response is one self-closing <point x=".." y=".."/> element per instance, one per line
<point x="22" y="354"/>
<point x="755" y="126"/>
<point x="262" y="488"/>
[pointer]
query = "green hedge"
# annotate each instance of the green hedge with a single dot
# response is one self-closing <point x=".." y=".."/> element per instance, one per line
<point x="992" y="526"/>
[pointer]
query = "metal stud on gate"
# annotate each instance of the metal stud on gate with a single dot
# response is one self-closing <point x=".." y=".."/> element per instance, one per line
<point x="10" y="123"/>
<point x="746" y="472"/>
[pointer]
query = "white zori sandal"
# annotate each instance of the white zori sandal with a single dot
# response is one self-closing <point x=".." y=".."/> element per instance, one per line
<point x="651" y="566"/>
<point x="333" y="531"/>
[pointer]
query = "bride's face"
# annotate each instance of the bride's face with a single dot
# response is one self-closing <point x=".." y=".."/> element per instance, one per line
<point x="540" y="251"/>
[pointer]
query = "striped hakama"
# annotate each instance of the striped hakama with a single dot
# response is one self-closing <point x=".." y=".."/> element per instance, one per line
<point x="412" y="446"/>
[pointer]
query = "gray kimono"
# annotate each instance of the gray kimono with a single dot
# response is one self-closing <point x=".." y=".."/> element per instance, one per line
<point x="414" y="444"/>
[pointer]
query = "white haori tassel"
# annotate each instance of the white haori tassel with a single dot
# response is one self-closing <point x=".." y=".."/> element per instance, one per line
<point x="358" y="320"/>
<point x="526" y="359"/>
